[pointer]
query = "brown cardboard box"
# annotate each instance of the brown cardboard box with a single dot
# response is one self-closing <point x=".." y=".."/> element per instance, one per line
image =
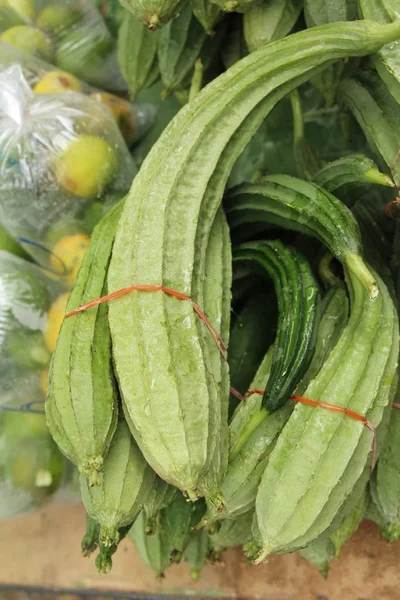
<point x="43" y="549"/>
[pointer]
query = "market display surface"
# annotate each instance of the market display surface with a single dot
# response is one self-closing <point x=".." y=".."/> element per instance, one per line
<point x="199" y="273"/>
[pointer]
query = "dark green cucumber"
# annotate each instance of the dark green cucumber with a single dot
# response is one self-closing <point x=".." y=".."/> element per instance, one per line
<point x="137" y="54"/>
<point x="155" y="337"/>
<point x="304" y="207"/>
<point x="81" y="404"/>
<point x="298" y="294"/>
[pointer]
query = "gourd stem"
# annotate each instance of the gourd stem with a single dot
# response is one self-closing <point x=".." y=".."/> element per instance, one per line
<point x="357" y="266"/>
<point x="249" y="428"/>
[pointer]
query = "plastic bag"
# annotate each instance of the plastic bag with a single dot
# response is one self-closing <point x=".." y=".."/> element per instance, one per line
<point x="31" y="466"/>
<point x="71" y="34"/>
<point x="32" y="469"/>
<point x="32" y="308"/>
<point x="133" y="120"/>
<point x="62" y="159"/>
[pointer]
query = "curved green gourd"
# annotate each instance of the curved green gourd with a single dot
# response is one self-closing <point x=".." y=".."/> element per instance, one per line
<point x="356" y="171"/>
<point x="159" y="231"/>
<point x="305" y="207"/>
<point x="330" y="449"/>
<point x="160" y="496"/>
<point x="244" y="473"/>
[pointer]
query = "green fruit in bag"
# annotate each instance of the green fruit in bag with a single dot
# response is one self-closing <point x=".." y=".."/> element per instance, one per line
<point x="57" y="19"/>
<point x="83" y="50"/>
<point x="31" y="40"/>
<point x="34" y="465"/>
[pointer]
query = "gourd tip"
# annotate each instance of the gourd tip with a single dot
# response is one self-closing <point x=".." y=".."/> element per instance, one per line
<point x="90" y="469"/>
<point x="262" y="556"/>
<point x="153" y="21"/>
<point x="103" y="563"/>
<point x="191" y="494"/>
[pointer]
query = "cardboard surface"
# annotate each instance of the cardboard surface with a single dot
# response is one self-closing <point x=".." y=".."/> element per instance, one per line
<point x="43" y="549"/>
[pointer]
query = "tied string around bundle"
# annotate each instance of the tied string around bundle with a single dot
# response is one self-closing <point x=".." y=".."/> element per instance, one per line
<point x="222" y="348"/>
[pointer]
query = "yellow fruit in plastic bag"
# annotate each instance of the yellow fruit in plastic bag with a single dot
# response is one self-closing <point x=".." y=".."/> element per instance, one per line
<point x="67" y="255"/>
<point x="122" y="113"/>
<point x="31" y="40"/>
<point x="55" y="317"/>
<point x="57" y="81"/>
<point x="87" y="166"/>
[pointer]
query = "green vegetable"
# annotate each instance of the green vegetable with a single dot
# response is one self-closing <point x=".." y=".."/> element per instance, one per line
<point x="233" y="532"/>
<point x="234" y="46"/>
<point x="155" y="13"/>
<point x="298" y="296"/>
<point x="178" y="47"/>
<point x="387" y="60"/>
<point x="304" y="207"/>
<point x="124" y="485"/>
<point x="81" y="365"/>
<point x="318" y="12"/>
<point x="196" y="553"/>
<point x="236" y="5"/>
<point x="245" y="470"/>
<point x="270" y="20"/>
<point x="90" y="540"/>
<point x="154" y="550"/>
<point x="355" y="170"/>
<point x="322" y="445"/>
<point x="137" y="54"/>
<point x="161" y="495"/>
<point x="155" y="337"/>
<point x="207" y="13"/>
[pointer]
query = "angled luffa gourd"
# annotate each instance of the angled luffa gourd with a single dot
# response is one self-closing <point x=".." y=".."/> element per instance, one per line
<point x="162" y="237"/>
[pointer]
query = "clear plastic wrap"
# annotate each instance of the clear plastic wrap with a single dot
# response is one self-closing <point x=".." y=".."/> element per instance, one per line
<point x="133" y="120"/>
<point x="32" y="469"/>
<point x="62" y="162"/>
<point x="71" y="34"/>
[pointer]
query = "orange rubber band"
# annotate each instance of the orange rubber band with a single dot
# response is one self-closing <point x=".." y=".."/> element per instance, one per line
<point x="235" y="393"/>
<point x="341" y="409"/>
<point x="396" y="405"/>
<point x="222" y="347"/>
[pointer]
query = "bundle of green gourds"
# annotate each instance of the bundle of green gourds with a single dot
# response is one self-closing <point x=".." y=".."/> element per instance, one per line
<point x="203" y="407"/>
